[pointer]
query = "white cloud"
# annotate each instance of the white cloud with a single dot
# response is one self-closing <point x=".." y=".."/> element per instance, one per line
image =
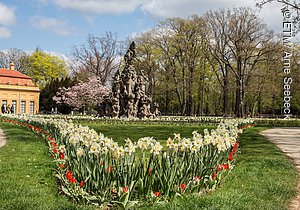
<point x="100" y="6"/>
<point x="160" y="9"/>
<point x="7" y="18"/>
<point x="272" y="16"/>
<point x="58" y="26"/>
<point x="4" y="32"/>
<point x="7" y="15"/>
<point x="270" y="13"/>
<point x="171" y="8"/>
<point x="59" y="55"/>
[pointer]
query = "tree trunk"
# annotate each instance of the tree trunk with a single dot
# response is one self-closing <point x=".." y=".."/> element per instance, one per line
<point x="225" y="93"/>
<point x="239" y="99"/>
<point x="183" y="105"/>
<point x="167" y="102"/>
<point x="190" y="93"/>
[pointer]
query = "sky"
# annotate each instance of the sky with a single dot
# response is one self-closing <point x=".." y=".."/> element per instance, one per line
<point x="58" y="25"/>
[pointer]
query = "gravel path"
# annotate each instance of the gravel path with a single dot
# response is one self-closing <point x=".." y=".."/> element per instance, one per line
<point x="2" y="138"/>
<point x="288" y="140"/>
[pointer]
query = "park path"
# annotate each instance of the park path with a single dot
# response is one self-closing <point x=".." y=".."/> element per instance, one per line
<point x="288" y="140"/>
<point x="2" y="138"/>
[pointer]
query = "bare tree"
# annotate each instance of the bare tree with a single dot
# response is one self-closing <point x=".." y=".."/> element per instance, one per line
<point x="180" y="44"/>
<point x="219" y="51"/>
<point x="13" y="55"/>
<point x="147" y="58"/>
<point x="243" y="43"/>
<point x="293" y="5"/>
<point x="100" y="56"/>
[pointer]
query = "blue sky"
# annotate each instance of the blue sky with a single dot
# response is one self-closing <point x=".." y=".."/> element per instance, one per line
<point x="57" y="25"/>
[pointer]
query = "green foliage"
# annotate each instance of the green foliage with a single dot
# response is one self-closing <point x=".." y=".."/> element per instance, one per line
<point x="120" y="132"/>
<point x="194" y="65"/>
<point x="43" y="67"/>
<point x="27" y="175"/>
<point x="263" y="178"/>
<point x="51" y="88"/>
<point x="186" y="165"/>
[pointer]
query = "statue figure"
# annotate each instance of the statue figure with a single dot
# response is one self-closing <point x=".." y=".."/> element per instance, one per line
<point x="156" y="113"/>
<point x="130" y="55"/>
<point x="116" y="88"/>
<point x="129" y="96"/>
<point x="130" y="108"/>
<point x="115" y="107"/>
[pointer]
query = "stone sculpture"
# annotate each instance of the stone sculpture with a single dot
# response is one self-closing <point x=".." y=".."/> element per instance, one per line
<point x="129" y="97"/>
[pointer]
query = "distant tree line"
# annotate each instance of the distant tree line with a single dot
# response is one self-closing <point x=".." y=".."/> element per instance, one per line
<point x="226" y="62"/>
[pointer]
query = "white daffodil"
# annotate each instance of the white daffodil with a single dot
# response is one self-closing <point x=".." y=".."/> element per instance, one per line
<point x="95" y="148"/>
<point x="177" y="136"/>
<point x="170" y="143"/>
<point x="104" y="150"/>
<point x="156" y="148"/>
<point x="80" y="152"/>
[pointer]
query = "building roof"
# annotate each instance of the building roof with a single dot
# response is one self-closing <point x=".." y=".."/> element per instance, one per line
<point x="12" y="73"/>
<point x="8" y="76"/>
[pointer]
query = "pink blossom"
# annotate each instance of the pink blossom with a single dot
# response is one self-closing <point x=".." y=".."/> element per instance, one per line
<point x="83" y="95"/>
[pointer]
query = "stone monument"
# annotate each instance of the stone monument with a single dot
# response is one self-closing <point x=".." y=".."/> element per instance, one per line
<point x="129" y="97"/>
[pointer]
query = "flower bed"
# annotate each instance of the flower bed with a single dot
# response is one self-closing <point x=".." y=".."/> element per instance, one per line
<point x="159" y="120"/>
<point x="294" y="122"/>
<point x="94" y="169"/>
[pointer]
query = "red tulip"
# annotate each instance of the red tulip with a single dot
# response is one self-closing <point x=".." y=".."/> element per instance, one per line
<point x="156" y="194"/>
<point x="219" y="167"/>
<point x="73" y="180"/>
<point x="225" y="166"/>
<point x="214" y="175"/>
<point x="230" y="157"/>
<point x="69" y="174"/>
<point x="197" y="178"/>
<point x="51" y="138"/>
<point x="81" y="183"/>
<point x="61" y="155"/>
<point x="125" y="189"/>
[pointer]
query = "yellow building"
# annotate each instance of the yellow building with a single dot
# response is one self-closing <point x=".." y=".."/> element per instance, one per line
<point x="17" y="92"/>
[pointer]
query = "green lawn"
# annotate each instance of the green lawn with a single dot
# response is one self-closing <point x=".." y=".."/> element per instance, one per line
<point x="27" y="176"/>
<point x="262" y="179"/>
<point x="119" y="132"/>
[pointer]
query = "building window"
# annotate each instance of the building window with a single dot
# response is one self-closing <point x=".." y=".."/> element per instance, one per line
<point x="4" y="102"/>
<point x="23" y="107"/>
<point x="31" y="107"/>
<point x="3" y="106"/>
<point x="14" y="106"/>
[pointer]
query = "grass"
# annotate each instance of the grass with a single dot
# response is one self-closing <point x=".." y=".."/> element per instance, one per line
<point x="27" y="177"/>
<point x="263" y="178"/>
<point x="119" y="132"/>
